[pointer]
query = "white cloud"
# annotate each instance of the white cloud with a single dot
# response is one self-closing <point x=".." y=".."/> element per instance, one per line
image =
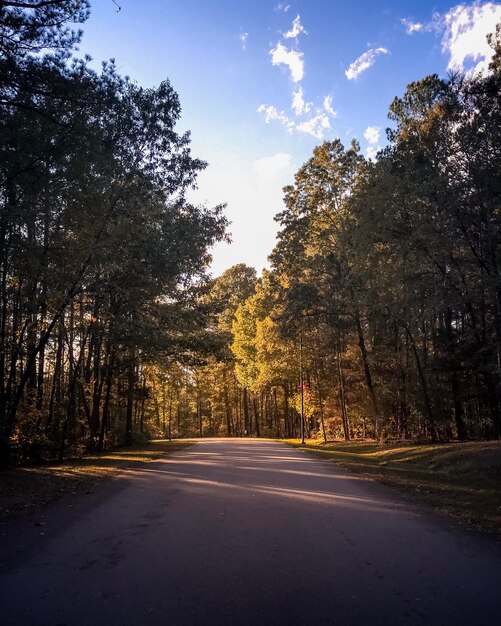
<point x="281" y="6"/>
<point x="371" y="152"/>
<point x="269" y="169"/>
<point x="272" y="113"/>
<point x="292" y="59"/>
<point x="328" y="106"/>
<point x="299" y="105"/>
<point x="464" y="30"/>
<point x="412" y="27"/>
<point x="465" y="34"/>
<point x="243" y="39"/>
<point x="372" y="134"/>
<point x="296" y="30"/>
<point x="364" y="61"/>
<point x="315" y="126"/>
<point x="434" y="25"/>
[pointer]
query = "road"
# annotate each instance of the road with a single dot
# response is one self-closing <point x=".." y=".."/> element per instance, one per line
<point x="245" y="532"/>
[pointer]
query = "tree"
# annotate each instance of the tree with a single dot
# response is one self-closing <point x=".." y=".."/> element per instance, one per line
<point x="99" y="249"/>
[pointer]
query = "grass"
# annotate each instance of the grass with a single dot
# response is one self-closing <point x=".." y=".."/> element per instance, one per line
<point x="25" y="490"/>
<point x="462" y="480"/>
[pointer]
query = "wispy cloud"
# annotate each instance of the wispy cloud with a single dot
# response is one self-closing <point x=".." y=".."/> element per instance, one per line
<point x="296" y="30"/>
<point x="272" y="113"/>
<point x="243" y="39"/>
<point x="317" y="122"/>
<point x="435" y="24"/>
<point x="280" y="55"/>
<point x="315" y="126"/>
<point x="412" y="27"/>
<point x="281" y="6"/>
<point x="364" y="62"/>
<point x="299" y="105"/>
<point x="328" y="106"/>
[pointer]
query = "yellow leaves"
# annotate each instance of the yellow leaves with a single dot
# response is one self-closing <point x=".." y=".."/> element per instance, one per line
<point x="422" y="127"/>
<point x="263" y="358"/>
<point x="308" y="403"/>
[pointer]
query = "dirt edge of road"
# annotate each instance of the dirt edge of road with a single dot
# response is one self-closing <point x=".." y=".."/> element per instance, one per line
<point x="27" y="490"/>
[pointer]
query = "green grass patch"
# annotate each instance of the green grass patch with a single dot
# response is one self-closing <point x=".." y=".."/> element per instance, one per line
<point x="462" y="480"/>
<point x="25" y="490"/>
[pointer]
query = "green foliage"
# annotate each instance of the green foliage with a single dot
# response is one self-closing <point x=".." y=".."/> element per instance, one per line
<point x="385" y="285"/>
<point x="390" y="269"/>
<point x="102" y="257"/>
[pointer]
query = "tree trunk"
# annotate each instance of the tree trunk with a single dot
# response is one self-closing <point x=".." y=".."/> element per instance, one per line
<point x="170" y="416"/>
<point x="256" y="416"/>
<point x="368" y="376"/>
<point x="321" y="407"/>
<point x="287" y="420"/>
<point x="245" y="404"/>
<point x="277" y="416"/>
<point x="129" y="414"/>
<point x="430" y="420"/>
<point x="227" y="408"/>
<point x="342" y="395"/>
<point x="56" y="381"/>
<point x="455" y="386"/>
<point x="492" y="394"/>
<point x="106" y="404"/>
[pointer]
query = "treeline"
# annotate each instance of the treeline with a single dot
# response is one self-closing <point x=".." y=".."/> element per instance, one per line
<point x="102" y="258"/>
<point x="384" y="295"/>
<point x="380" y="316"/>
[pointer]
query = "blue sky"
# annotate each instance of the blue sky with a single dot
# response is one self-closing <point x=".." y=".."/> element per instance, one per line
<point x="262" y="82"/>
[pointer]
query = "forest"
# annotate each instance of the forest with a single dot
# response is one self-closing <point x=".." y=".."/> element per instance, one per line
<point x="379" y="316"/>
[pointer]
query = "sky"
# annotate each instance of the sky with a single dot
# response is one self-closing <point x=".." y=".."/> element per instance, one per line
<point x="262" y="82"/>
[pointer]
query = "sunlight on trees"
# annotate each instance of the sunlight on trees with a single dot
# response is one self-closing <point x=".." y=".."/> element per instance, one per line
<point x="111" y="330"/>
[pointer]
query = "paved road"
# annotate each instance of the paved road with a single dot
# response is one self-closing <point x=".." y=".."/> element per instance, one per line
<point x="245" y="532"/>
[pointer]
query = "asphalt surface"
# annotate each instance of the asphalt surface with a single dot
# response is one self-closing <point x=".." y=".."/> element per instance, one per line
<point x="247" y="532"/>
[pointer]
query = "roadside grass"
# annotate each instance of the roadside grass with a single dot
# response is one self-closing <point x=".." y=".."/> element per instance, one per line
<point x="24" y="490"/>
<point x="462" y="480"/>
